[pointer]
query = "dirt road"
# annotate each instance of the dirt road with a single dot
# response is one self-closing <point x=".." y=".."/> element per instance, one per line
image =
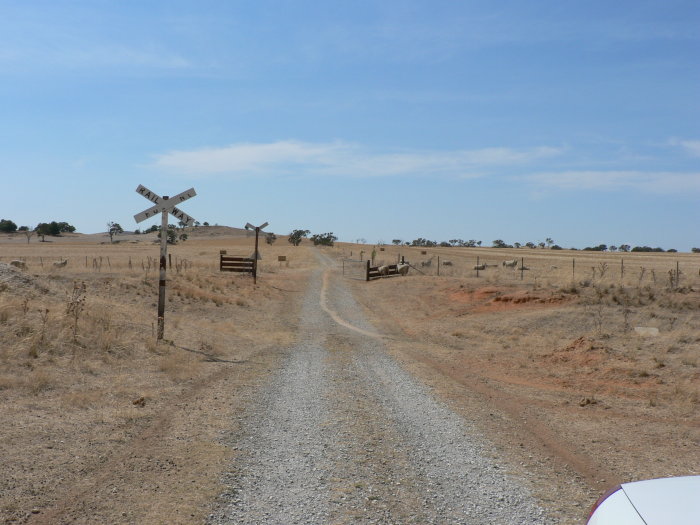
<point x="341" y="433"/>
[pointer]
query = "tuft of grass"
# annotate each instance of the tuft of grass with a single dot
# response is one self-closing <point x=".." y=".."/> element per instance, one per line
<point x="179" y="366"/>
<point x="39" y="381"/>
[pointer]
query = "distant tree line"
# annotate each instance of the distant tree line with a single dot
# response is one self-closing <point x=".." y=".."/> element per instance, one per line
<point x="547" y="243"/>
<point x="43" y="228"/>
<point x="319" y="239"/>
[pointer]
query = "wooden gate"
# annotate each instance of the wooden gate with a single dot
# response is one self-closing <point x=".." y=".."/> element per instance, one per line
<point x="372" y="272"/>
<point x="231" y="263"/>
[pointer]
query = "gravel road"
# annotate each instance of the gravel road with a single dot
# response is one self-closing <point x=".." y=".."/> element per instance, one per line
<point x="342" y="434"/>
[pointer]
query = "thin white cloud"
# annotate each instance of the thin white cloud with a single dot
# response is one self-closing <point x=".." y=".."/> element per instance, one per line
<point x="648" y="182"/>
<point x="692" y="147"/>
<point x="94" y="57"/>
<point x="341" y="159"/>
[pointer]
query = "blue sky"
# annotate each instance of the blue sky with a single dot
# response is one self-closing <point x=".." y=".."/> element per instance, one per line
<point x="512" y="120"/>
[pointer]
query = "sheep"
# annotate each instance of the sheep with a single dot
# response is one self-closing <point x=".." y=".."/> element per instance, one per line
<point x="510" y="264"/>
<point x="447" y="263"/>
<point x="383" y="270"/>
<point x="402" y="269"/>
<point x="60" y="264"/>
<point x="480" y="267"/>
<point x="426" y="264"/>
<point x="18" y="264"/>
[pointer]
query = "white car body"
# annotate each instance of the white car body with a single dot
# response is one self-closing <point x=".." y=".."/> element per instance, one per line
<point x="664" y="501"/>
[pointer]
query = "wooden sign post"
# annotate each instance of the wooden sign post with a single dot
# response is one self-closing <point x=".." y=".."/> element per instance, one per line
<point x="256" y="255"/>
<point x="164" y="205"/>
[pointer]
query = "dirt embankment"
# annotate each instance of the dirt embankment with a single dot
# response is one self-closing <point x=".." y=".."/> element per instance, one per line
<point x="557" y="376"/>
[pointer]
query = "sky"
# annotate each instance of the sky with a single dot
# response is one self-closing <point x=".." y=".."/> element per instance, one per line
<point x="577" y="121"/>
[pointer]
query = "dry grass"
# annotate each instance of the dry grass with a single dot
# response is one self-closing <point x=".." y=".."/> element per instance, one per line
<point x="559" y="339"/>
<point x="70" y="376"/>
<point x="562" y="349"/>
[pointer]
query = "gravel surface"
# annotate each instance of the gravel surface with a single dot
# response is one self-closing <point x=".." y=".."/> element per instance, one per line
<point x="342" y="434"/>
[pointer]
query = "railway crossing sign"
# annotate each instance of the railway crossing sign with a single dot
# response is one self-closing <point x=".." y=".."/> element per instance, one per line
<point x="164" y="205"/>
<point x="256" y="255"/>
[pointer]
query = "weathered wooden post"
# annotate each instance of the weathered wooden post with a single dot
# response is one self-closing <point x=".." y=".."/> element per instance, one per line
<point x="164" y="205"/>
<point x="367" y="271"/>
<point x="161" y="280"/>
<point x="256" y="255"/>
<point x="622" y="269"/>
<point x="477" y="266"/>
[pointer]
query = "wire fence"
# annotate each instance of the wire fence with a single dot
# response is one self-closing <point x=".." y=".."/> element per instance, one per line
<point x="547" y="267"/>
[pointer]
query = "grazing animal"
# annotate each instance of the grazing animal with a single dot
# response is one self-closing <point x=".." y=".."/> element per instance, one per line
<point x="510" y="264"/>
<point x="402" y="268"/>
<point x="60" y="264"/>
<point x="383" y="270"/>
<point x="480" y="267"/>
<point x="18" y="264"/>
<point x="553" y="267"/>
<point x="447" y="263"/>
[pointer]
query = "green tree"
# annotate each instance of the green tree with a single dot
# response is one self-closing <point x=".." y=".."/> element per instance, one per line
<point x="46" y="228"/>
<point x="64" y="227"/>
<point x="7" y="226"/>
<point x="171" y="234"/>
<point x="396" y="242"/>
<point x="113" y="228"/>
<point x="323" y="239"/>
<point x="296" y="236"/>
<point x="498" y="243"/>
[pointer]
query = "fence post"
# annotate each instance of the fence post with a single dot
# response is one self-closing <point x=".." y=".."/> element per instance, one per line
<point x="622" y="268"/>
<point x="367" y="271"/>
<point x="438" y="269"/>
<point x="573" y="269"/>
<point x="522" y="268"/>
<point x="678" y="274"/>
<point x="477" y="266"/>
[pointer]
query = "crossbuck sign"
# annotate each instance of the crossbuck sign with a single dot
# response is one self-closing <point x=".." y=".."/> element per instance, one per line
<point x="164" y="205"/>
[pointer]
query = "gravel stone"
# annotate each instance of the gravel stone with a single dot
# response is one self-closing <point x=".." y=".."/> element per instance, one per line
<point x="342" y="434"/>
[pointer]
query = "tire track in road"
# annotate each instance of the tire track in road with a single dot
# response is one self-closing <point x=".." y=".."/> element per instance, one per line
<point x="342" y="434"/>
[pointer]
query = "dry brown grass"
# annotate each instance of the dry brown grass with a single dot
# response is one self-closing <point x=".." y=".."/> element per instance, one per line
<point x="550" y="339"/>
<point x="561" y="349"/>
<point x="69" y="380"/>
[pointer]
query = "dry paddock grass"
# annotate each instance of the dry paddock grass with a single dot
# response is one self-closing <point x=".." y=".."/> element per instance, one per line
<point x="81" y="375"/>
<point x="557" y="353"/>
<point x="87" y="392"/>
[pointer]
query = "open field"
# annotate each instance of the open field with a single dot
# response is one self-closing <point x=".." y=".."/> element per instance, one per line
<point x="82" y="400"/>
<point x="557" y="358"/>
<point x="100" y="422"/>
